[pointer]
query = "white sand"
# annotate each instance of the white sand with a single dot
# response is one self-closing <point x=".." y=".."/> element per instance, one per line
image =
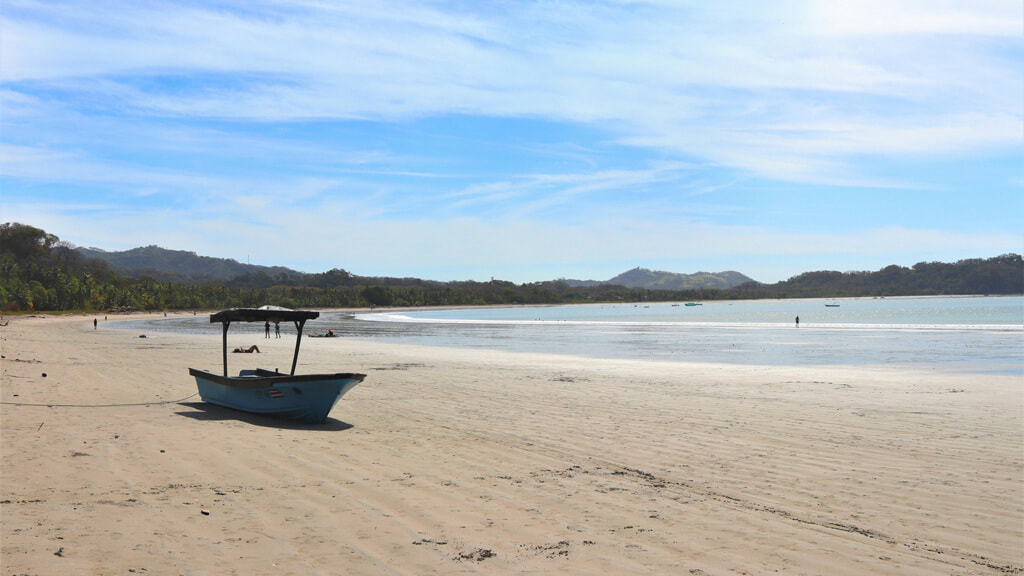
<point x="452" y="461"/>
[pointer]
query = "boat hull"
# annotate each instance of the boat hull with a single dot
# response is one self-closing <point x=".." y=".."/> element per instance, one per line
<point x="307" y="398"/>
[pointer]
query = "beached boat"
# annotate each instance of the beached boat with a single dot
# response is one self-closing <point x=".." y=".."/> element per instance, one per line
<point x="308" y="397"/>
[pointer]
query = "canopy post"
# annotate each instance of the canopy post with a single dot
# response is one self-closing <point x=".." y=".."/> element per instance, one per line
<point x="265" y="314"/>
<point x="298" y="340"/>
<point x="225" y="338"/>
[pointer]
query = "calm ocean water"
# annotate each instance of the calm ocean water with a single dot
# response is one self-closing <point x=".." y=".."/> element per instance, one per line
<point x="978" y="334"/>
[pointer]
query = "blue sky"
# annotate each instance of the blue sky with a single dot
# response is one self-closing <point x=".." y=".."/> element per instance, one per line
<point x="524" y="141"/>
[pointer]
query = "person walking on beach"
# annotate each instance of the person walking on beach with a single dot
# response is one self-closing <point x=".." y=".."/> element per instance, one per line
<point x="277" y="329"/>
<point x="93" y="323"/>
<point x="266" y="328"/>
<point x="797" y="321"/>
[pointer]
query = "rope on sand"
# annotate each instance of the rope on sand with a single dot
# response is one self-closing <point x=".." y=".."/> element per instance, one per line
<point x="101" y="405"/>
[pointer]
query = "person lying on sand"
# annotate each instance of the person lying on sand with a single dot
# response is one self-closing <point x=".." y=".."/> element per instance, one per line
<point x="249" y="350"/>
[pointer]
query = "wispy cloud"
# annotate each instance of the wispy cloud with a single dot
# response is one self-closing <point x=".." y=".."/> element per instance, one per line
<point x="533" y="195"/>
<point x="419" y="115"/>
<point x="647" y="66"/>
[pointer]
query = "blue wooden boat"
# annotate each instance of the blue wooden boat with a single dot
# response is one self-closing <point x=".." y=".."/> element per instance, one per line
<point x="307" y="398"/>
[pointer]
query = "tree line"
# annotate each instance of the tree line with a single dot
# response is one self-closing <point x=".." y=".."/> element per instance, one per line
<point x="39" y="272"/>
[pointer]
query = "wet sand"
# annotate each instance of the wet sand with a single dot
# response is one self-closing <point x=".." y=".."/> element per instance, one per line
<point x="454" y="461"/>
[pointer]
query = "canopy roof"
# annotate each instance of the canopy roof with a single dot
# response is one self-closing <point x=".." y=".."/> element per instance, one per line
<point x="264" y="314"/>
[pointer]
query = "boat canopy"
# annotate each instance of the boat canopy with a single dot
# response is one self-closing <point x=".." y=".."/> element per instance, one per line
<point x="263" y="314"/>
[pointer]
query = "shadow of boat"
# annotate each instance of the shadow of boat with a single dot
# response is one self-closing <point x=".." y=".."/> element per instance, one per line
<point x="207" y="412"/>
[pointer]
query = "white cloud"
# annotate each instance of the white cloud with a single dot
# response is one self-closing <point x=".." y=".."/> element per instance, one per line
<point x="913" y="17"/>
<point x="649" y="64"/>
<point x="192" y="105"/>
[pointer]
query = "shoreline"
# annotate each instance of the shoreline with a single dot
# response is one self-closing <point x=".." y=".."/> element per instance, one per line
<point x="454" y="461"/>
<point x="582" y="334"/>
<point x="51" y="314"/>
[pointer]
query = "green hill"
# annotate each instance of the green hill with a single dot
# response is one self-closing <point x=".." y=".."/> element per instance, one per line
<point x="180" y="266"/>
<point x="39" y="272"/>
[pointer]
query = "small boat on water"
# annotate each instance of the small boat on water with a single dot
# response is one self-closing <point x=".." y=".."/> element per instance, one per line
<point x="694" y="304"/>
<point x="831" y="305"/>
<point x="308" y="397"/>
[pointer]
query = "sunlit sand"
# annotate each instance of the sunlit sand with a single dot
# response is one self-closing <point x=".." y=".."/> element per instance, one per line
<point x="453" y="461"/>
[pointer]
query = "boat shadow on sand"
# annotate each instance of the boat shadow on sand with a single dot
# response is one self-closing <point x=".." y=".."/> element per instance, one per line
<point x="211" y="412"/>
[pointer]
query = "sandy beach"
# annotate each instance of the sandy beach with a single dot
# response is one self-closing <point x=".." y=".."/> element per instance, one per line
<point x="453" y="461"/>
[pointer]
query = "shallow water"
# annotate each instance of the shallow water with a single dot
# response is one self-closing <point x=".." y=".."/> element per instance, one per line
<point x="962" y="334"/>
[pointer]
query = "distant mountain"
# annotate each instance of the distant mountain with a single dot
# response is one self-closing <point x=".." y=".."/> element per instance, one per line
<point x="188" y="267"/>
<point x="40" y="272"/>
<point x="658" y="280"/>
<point x="179" y="265"/>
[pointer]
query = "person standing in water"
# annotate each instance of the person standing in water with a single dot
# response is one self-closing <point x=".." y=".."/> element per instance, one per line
<point x="797" y="321"/>
<point x="266" y="329"/>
